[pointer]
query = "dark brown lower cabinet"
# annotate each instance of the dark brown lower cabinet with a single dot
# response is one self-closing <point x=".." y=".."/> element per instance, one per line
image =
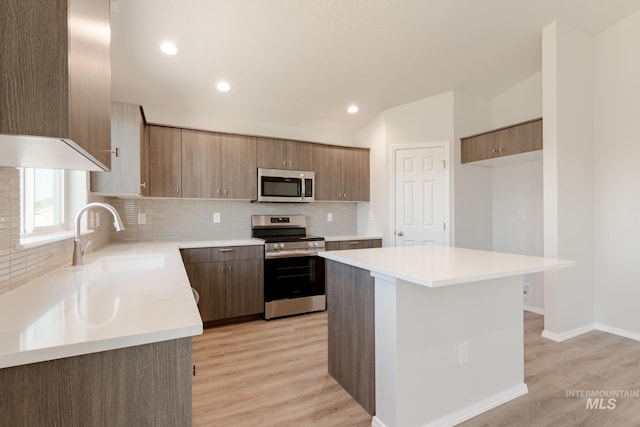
<point x="229" y="281"/>
<point x="147" y="385"/>
<point x="351" y="339"/>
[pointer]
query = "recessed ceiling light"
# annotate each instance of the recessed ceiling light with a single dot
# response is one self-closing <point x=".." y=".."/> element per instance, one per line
<point x="169" y="48"/>
<point x="223" y="86"/>
<point x="352" y="109"/>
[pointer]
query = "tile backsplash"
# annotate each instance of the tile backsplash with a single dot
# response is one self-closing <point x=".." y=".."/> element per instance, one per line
<point x="148" y="220"/>
<point x="176" y="219"/>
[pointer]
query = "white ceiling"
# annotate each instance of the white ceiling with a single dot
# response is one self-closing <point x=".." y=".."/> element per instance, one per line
<point x="300" y="63"/>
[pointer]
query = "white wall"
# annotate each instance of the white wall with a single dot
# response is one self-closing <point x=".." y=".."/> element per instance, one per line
<point x="426" y="120"/>
<point x="617" y="177"/>
<point x="521" y="102"/>
<point x="568" y="177"/>
<point x="517" y="220"/>
<point x="472" y="184"/>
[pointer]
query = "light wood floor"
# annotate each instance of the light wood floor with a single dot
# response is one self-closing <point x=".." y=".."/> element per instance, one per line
<point x="269" y="374"/>
<point x="275" y="374"/>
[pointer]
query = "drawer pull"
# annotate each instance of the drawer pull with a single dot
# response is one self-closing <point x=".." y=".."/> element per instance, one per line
<point x="227" y="250"/>
<point x="354" y="243"/>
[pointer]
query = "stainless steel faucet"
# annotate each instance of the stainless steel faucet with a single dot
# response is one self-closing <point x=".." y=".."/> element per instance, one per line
<point x="77" y="247"/>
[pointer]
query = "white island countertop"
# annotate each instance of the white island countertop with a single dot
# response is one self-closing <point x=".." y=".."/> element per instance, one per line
<point x="435" y="266"/>
<point x="124" y="295"/>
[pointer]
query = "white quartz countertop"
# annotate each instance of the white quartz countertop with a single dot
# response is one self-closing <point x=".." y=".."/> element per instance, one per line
<point x="124" y="295"/>
<point x="435" y="266"/>
<point x="350" y="237"/>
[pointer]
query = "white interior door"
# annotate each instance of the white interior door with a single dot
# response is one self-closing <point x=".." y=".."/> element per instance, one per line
<point x="420" y="196"/>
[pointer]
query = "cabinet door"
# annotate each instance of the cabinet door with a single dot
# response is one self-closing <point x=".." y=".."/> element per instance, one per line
<point x="355" y="174"/>
<point x="271" y="153"/>
<point x="244" y="290"/>
<point x="239" y="170"/>
<point x="327" y="162"/>
<point x="480" y="147"/>
<point x="525" y="137"/>
<point x="200" y="164"/>
<point x="144" y="160"/>
<point x="209" y="280"/>
<point x="127" y="130"/>
<point x="165" y="154"/>
<point x="299" y="156"/>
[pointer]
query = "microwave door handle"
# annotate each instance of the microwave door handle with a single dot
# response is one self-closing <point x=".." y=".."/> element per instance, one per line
<point x="304" y="190"/>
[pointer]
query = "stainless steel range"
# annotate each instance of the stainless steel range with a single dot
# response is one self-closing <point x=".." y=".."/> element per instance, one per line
<point x="293" y="273"/>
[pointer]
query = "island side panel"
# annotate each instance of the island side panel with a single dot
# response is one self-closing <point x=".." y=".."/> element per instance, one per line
<point x="424" y="328"/>
<point x="351" y="335"/>
<point x="142" y="385"/>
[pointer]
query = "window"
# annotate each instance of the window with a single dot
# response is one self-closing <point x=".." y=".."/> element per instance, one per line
<point x="42" y="200"/>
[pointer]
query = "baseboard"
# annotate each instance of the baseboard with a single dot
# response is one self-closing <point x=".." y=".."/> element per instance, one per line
<point x="478" y="408"/>
<point x="616" y="331"/>
<point x="569" y="334"/>
<point x="470" y="411"/>
<point x="534" y="309"/>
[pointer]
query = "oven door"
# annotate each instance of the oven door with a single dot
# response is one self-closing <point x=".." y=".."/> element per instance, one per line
<point x="295" y="277"/>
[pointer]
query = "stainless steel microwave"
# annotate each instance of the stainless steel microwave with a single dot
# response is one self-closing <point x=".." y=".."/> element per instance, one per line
<point x="278" y="185"/>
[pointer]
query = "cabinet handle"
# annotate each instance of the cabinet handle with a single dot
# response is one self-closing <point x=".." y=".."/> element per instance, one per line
<point x="227" y="250"/>
<point x="354" y="243"/>
<point x="284" y="163"/>
<point x="222" y="269"/>
<point x="493" y="150"/>
<point x="501" y="149"/>
<point x="143" y="185"/>
<point x="177" y="190"/>
<point x="226" y="191"/>
<point x="116" y="151"/>
<point x="193" y="369"/>
<point x="290" y="163"/>
<point x="229" y="268"/>
<point x="339" y="195"/>
<point x="218" y="191"/>
<point x="344" y="195"/>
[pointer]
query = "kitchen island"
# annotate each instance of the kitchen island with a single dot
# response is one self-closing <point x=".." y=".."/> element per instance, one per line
<point x="428" y="335"/>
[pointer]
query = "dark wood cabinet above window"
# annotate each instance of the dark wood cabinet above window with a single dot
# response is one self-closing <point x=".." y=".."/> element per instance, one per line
<point x="520" y="138"/>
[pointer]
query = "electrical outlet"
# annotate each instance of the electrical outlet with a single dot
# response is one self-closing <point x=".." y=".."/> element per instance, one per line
<point x="216" y="217"/>
<point x="142" y="219"/>
<point x="330" y="216"/>
<point x="463" y="353"/>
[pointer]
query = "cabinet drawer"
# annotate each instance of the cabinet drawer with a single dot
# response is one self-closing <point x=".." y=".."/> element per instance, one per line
<point x="234" y="253"/>
<point x="196" y="255"/>
<point x="353" y="244"/>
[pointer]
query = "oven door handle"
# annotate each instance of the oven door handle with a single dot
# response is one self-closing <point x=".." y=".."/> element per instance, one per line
<point x="304" y="189"/>
<point x="289" y="254"/>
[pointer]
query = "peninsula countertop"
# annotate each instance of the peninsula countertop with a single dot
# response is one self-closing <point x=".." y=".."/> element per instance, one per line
<point x="124" y="295"/>
<point x="436" y="266"/>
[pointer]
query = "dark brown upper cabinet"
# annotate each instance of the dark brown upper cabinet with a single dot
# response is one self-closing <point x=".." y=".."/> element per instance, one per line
<point x="55" y="77"/>
<point x="516" y="139"/>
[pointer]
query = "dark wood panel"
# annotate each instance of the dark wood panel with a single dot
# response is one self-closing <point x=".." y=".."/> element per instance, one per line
<point x="353" y="244"/>
<point x="245" y="290"/>
<point x="299" y="156"/>
<point x="90" y="77"/>
<point x="200" y="164"/>
<point x="355" y="174"/>
<point x="144" y="157"/>
<point x="209" y="280"/>
<point x="271" y="153"/>
<point x="351" y="336"/>
<point x="142" y="385"/>
<point x="190" y="256"/>
<point x="55" y="77"/>
<point x="233" y="253"/>
<point x="165" y="164"/>
<point x="239" y="170"/>
<point x="327" y="162"/>
<point x="480" y="147"/>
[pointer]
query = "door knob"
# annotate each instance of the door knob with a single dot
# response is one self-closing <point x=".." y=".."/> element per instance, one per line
<point x="400" y="233"/>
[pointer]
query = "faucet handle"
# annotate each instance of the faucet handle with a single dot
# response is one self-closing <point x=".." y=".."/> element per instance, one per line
<point x="86" y="246"/>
